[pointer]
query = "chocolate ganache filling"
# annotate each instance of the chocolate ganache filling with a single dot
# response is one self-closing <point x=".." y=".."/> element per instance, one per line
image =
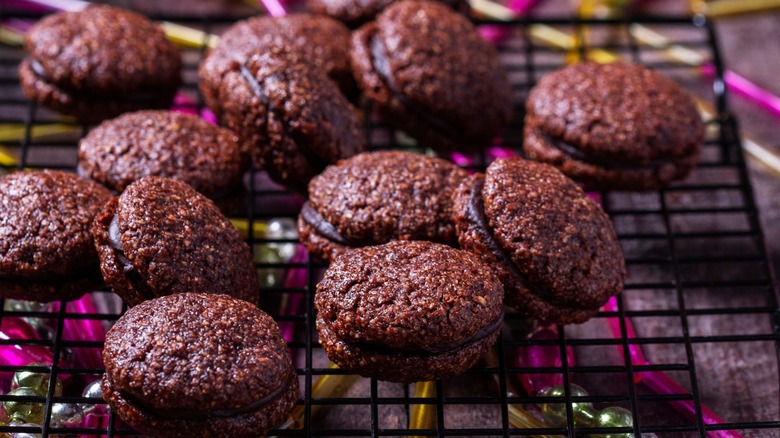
<point x="196" y="414"/>
<point x="381" y="63"/>
<point x="137" y="96"/>
<point x="135" y="279"/>
<point x="577" y="154"/>
<point x="316" y="162"/>
<point x="476" y="214"/>
<point x="326" y="229"/>
<point x="445" y="347"/>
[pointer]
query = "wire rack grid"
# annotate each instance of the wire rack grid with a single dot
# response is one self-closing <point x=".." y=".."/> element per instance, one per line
<point x="700" y="291"/>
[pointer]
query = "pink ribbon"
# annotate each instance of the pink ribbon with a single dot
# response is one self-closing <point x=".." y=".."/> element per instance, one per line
<point x="542" y="356"/>
<point x="89" y="330"/>
<point x="659" y="381"/>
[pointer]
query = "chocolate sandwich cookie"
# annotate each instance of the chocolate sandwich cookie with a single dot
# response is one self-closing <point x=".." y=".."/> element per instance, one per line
<point x="425" y="68"/>
<point x="198" y="365"/>
<point x="319" y="40"/>
<point x="167" y="144"/>
<point x="46" y="247"/>
<point x="355" y="13"/>
<point x="408" y="311"/>
<point x="554" y="249"/>
<point x="290" y="114"/>
<point x="613" y="126"/>
<point x="373" y="198"/>
<point x="99" y="62"/>
<point x="161" y="237"/>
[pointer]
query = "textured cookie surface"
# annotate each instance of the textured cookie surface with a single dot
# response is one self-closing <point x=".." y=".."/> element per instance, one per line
<point x="376" y="197"/>
<point x="46" y="247"/>
<point x="613" y="125"/>
<point x="99" y="62"/>
<point x="408" y="311"/>
<point x="430" y="73"/>
<point x="357" y="12"/>
<point x="198" y="365"/>
<point x="166" y="144"/>
<point x="291" y="114"/>
<point x="322" y="41"/>
<point x="170" y="239"/>
<point x="554" y="249"/>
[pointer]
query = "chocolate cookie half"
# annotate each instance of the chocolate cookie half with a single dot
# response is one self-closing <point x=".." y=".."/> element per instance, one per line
<point x="321" y="41"/>
<point x="408" y="311"/>
<point x="46" y="247"/>
<point x="355" y="13"/>
<point x="166" y="144"/>
<point x="290" y="114"/>
<point x="373" y="198"/>
<point x="425" y="68"/>
<point x="197" y="365"/>
<point x="99" y="62"/>
<point x="161" y="237"/>
<point x="554" y="249"/>
<point x="613" y="126"/>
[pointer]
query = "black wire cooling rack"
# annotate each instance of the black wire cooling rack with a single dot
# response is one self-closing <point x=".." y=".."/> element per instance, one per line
<point x="700" y="292"/>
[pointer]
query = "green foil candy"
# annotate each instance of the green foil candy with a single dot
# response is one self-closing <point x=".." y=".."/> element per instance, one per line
<point x="555" y="413"/>
<point x="584" y="414"/>
<point x="614" y="416"/>
<point x="269" y="277"/>
<point x="35" y="380"/>
<point x="24" y="411"/>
